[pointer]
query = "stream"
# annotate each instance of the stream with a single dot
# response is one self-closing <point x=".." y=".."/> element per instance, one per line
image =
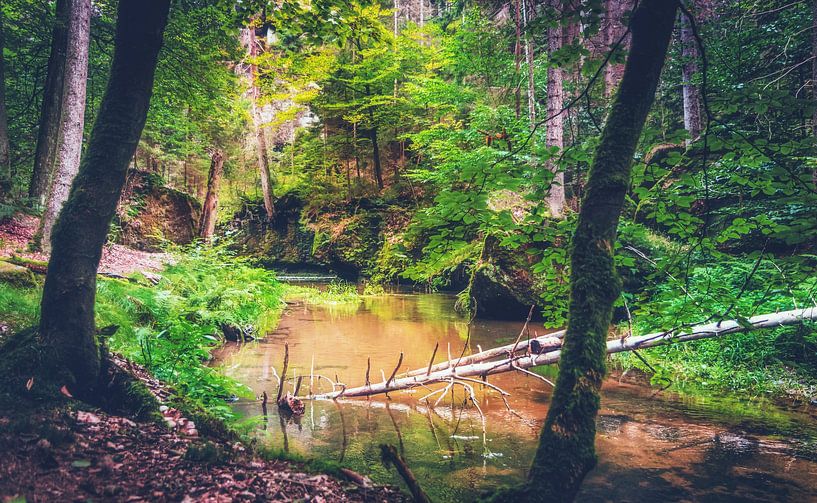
<point x="652" y="446"/>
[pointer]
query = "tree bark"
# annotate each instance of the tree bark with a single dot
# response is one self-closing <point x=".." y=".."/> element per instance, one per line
<point x="691" y="92"/>
<point x="530" y="57"/>
<point x="814" y="77"/>
<point x="73" y="125"/>
<point x="51" y="108"/>
<point x="258" y="122"/>
<point x="613" y="30"/>
<point x="209" y="210"/>
<point x="5" y="160"/>
<point x="67" y="307"/>
<point x="378" y="169"/>
<point x="566" y="449"/>
<point x="555" y="125"/>
<point x="517" y="57"/>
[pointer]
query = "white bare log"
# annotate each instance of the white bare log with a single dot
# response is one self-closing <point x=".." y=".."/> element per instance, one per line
<point x="485" y="368"/>
<point x="547" y="341"/>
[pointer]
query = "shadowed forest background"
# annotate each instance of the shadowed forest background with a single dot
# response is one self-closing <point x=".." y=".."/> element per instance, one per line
<point x="426" y="178"/>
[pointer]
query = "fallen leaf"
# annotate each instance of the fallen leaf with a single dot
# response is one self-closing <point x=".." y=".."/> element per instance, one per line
<point x="29" y="383"/>
<point x="64" y="391"/>
<point x="81" y="463"/>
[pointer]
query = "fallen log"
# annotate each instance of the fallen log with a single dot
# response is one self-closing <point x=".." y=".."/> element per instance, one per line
<point x="515" y="362"/>
<point x="547" y="341"/>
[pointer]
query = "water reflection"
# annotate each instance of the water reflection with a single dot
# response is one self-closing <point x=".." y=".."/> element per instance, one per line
<point x="664" y="448"/>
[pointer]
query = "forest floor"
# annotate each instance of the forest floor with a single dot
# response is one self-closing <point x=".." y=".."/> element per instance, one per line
<point x="17" y="232"/>
<point x="77" y="453"/>
<point x="74" y="452"/>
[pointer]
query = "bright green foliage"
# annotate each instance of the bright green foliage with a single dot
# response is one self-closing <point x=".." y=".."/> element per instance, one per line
<point x="170" y="328"/>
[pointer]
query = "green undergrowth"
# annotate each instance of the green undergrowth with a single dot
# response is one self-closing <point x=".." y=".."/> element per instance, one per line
<point x="334" y="293"/>
<point x="172" y="327"/>
<point x="779" y="362"/>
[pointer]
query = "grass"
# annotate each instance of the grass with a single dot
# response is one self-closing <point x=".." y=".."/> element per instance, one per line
<point x="779" y="362"/>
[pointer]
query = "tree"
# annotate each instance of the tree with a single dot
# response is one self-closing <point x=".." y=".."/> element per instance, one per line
<point x="73" y="126"/>
<point x="67" y="306"/>
<point x="51" y="108"/>
<point x="258" y="121"/>
<point x="555" y="125"/>
<point x="691" y="92"/>
<point x="5" y="161"/>
<point x="813" y="76"/>
<point x="566" y="449"/>
<point x="209" y="209"/>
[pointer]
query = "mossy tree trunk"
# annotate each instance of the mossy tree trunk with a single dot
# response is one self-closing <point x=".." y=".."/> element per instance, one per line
<point x="67" y="309"/>
<point x="566" y="449"/>
<point x="51" y="107"/>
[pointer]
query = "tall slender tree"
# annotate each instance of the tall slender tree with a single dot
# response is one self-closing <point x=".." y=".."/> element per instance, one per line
<point x="691" y="92"/>
<point x="209" y="210"/>
<point x="51" y="108"/>
<point x="555" y="103"/>
<point x="73" y="122"/>
<point x="67" y="307"/>
<point x="258" y="121"/>
<point x="5" y="160"/>
<point x="814" y="75"/>
<point x="566" y="449"/>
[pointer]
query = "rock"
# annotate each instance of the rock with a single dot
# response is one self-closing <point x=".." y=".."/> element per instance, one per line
<point x="16" y="275"/>
<point x="504" y="287"/>
<point x="234" y="333"/>
<point x="87" y="417"/>
<point x="151" y="213"/>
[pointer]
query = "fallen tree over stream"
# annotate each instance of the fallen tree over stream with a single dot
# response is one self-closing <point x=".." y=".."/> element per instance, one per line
<point x="519" y="357"/>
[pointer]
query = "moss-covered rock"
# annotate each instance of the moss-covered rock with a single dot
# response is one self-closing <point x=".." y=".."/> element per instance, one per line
<point x="16" y="275"/>
<point x="151" y="213"/>
<point x="504" y="286"/>
<point x="345" y="240"/>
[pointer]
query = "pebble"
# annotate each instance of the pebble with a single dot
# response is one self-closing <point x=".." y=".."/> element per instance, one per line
<point x="163" y="408"/>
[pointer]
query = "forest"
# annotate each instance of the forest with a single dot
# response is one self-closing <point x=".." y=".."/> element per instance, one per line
<point x="408" y="250"/>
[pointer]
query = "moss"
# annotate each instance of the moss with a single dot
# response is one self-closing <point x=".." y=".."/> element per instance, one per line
<point x="208" y="453"/>
<point x="16" y="275"/>
<point x="33" y="380"/>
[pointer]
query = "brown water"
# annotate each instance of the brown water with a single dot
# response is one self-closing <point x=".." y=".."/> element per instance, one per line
<point x="665" y="447"/>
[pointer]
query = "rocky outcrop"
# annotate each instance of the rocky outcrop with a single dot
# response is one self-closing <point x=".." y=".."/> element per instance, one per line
<point x="151" y="214"/>
<point x="345" y="242"/>
<point x="504" y="287"/>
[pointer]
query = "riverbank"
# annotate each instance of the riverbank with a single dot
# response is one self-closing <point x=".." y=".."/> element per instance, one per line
<point x="161" y="330"/>
<point x="74" y="452"/>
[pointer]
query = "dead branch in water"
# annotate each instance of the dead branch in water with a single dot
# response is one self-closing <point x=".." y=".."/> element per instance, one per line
<point x="449" y="372"/>
<point x="390" y="457"/>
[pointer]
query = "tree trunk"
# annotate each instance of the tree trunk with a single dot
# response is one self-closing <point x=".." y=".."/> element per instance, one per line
<point x="67" y="308"/>
<point x="613" y="29"/>
<point x="258" y="122"/>
<point x="814" y="77"/>
<point x="691" y="91"/>
<point x="517" y="57"/>
<point x="530" y="57"/>
<point x="5" y="160"/>
<point x="378" y="169"/>
<point x="555" y="126"/>
<point x="566" y="449"/>
<point x="73" y="126"/>
<point x="209" y="210"/>
<point x="51" y="109"/>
